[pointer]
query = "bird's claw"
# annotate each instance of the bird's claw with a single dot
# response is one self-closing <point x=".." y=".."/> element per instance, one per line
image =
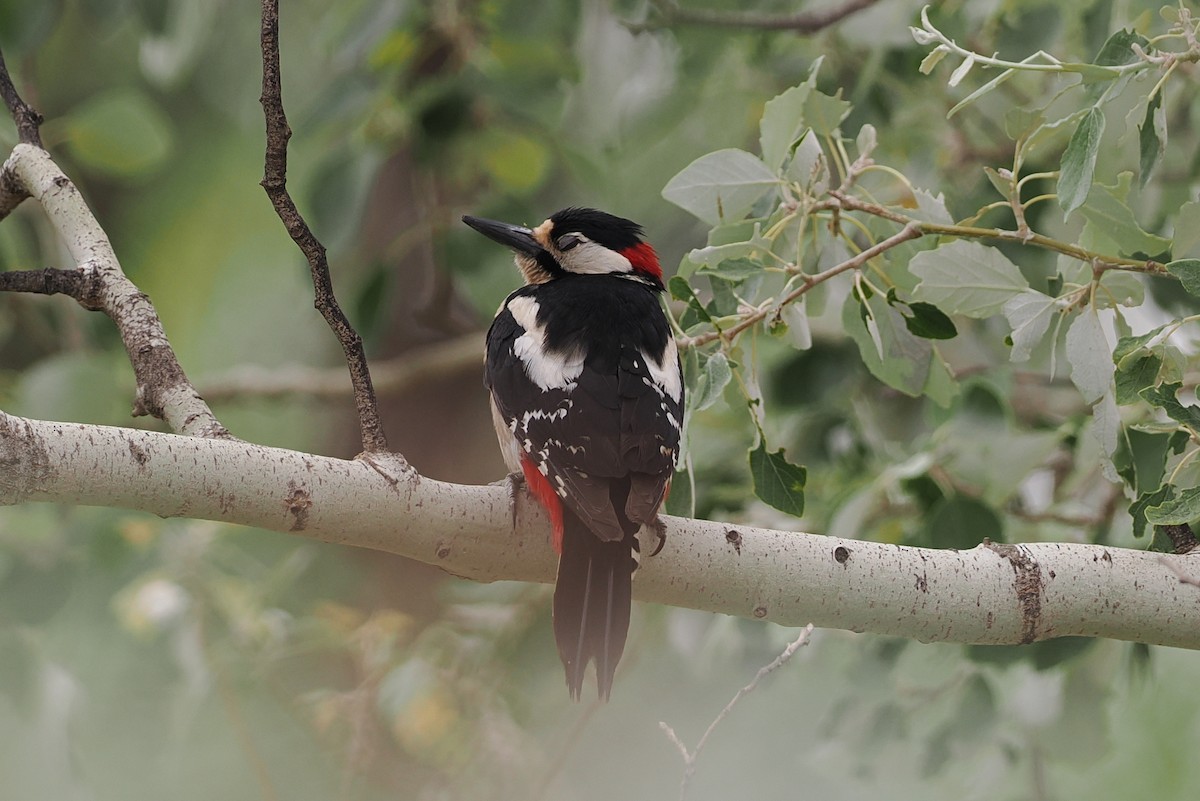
<point x="514" y="482"/>
<point x="660" y="531"/>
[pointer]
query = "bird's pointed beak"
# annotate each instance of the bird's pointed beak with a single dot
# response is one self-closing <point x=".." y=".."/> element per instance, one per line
<point x="517" y="237"/>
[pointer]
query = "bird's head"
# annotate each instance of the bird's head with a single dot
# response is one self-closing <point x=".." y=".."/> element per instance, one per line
<point x="576" y="241"/>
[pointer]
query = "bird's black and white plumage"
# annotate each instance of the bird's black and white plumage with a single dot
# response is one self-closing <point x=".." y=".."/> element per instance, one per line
<point x="587" y="398"/>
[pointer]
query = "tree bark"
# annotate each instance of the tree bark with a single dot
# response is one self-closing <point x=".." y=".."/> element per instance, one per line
<point x="993" y="593"/>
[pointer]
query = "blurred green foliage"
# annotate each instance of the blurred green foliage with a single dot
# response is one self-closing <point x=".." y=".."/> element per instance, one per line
<point x="142" y="658"/>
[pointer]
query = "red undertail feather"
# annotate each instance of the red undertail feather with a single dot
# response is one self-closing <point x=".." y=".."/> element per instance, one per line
<point x="644" y="259"/>
<point x="540" y="487"/>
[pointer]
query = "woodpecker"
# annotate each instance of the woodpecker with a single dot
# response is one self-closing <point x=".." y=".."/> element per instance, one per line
<point x="587" y="399"/>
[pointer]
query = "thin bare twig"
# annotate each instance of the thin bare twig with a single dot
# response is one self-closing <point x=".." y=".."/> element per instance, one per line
<point x="670" y="13"/>
<point x="690" y="757"/>
<point x="26" y="117"/>
<point x="275" y="183"/>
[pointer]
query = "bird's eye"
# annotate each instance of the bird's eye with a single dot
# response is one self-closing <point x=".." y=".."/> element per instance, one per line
<point x="569" y="241"/>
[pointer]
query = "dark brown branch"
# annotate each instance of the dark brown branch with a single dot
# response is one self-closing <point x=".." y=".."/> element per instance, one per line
<point x="83" y="286"/>
<point x="670" y="13"/>
<point x="1182" y="538"/>
<point x="23" y="114"/>
<point x="275" y="183"/>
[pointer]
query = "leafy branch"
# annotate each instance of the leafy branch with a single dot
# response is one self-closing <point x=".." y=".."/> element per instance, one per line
<point x="806" y="199"/>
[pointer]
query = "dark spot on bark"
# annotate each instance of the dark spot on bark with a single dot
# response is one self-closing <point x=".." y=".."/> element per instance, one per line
<point x="841" y="555"/>
<point x="1107" y="557"/>
<point x="443" y="550"/>
<point x="1027" y="583"/>
<point x="298" y="503"/>
<point x="24" y="460"/>
<point x="734" y="538"/>
<point x="760" y="611"/>
<point x="991" y="618"/>
<point x="138" y="453"/>
<point x="923" y="583"/>
<point x="1053" y="574"/>
<point x="61" y="181"/>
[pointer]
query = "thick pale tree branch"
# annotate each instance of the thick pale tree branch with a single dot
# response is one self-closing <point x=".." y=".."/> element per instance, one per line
<point x="99" y="283"/>
<point x="990" y="594"/>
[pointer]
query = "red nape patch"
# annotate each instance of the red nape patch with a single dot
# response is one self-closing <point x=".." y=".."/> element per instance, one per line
<point x="540" y="487"/>
<point x="644" y="259"/>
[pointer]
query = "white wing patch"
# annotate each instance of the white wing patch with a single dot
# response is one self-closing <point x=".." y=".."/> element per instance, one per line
<point x="665" y="373"/>
<point x="547" y="369"/>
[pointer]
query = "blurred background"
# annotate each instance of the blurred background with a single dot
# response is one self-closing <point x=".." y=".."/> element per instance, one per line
<point x="144" y="659"/>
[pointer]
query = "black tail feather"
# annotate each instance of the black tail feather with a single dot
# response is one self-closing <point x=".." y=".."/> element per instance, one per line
<point x="592" y="597"/>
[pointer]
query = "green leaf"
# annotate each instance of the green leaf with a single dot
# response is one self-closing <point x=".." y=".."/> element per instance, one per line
<point x="1001" y="184"/>
<point x="732" y="270"/>
<point x="121" y="132"/>
<point x="933" y="58"/>
<point x="824" y="113"/>
<point x="962" y="522"/>
<point x="1137" y="509"/>
<point x="929" y="322"/>
<point x="715" y="376"/>
<point x="695" y="312"/>
<point x="793" y="319"/>
<point x="720" y="186"/>
<point x="1119" y="288"/>
<point x="1127" y="346"/>
<point x="1019" y="121"/>
<point x="782" y="124"/>
<point x="715" y="254"/>
<point x="1029" y="313"/>
<point x="1163" y="396"/>
<point x="1176" y="509"/>
<point x="1079" y="161"/>
<point x="1142" y="373"/>
<point x="807" y="165"/>
<point x="1152" y="138"/>
<point x="966" y="278"/>
<point x="1187" y="231"/>
<point x="1090" y="356"/>
<point x="777" y="482"/>
<point x="1118" y="49"/>
<point x="888" y="349"/>
<point x="1188" y="273"/>
<point x="1111" y="219"/>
